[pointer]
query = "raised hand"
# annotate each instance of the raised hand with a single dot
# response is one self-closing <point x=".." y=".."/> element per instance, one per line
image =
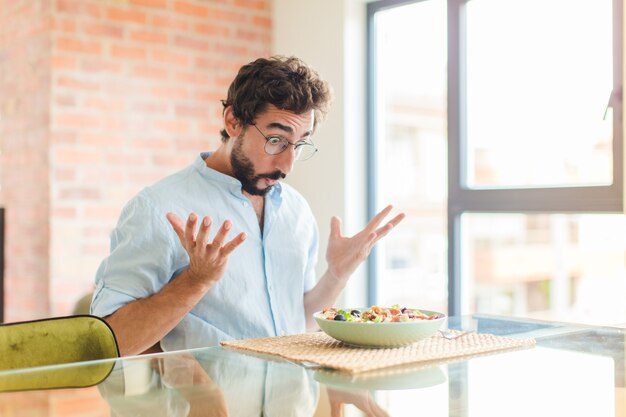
<point x="207" y="261"/>
<point x="345" y="254"/>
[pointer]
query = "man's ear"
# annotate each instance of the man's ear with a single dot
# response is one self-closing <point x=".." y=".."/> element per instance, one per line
<point x="231" y="123"/>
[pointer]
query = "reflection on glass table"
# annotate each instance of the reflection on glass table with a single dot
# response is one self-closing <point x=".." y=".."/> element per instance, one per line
<point x="209" y="382"/>
<point x="574" y="370"/>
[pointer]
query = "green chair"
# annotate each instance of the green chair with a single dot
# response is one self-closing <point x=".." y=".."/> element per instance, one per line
<point x="55" y="341"/>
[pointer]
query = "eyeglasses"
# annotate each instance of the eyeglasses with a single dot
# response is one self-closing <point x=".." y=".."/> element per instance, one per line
<point x="275" y="144"/>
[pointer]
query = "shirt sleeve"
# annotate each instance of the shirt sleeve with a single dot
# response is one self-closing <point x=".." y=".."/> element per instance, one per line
<point x="141" y="260"/>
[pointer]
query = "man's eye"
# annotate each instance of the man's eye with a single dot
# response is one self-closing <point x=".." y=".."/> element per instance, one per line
<point x="274" y="140"/>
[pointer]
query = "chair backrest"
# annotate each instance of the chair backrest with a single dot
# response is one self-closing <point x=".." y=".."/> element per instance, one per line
<point x="55" y="340"/>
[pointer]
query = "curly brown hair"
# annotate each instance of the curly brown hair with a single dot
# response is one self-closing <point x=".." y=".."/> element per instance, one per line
<point x="285" y="82"/>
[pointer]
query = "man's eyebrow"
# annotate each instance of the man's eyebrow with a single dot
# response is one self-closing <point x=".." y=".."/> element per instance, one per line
<point x="286" y="129"/>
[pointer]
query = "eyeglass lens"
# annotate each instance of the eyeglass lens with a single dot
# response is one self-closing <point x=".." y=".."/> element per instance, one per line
<point x="303" y="151"/>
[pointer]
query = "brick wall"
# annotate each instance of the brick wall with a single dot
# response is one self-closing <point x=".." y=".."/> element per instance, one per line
<point x="24" y="137"/>
<point x="132" y="94"/>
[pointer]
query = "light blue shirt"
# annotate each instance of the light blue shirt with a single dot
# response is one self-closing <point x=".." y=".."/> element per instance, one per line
<point x="261" y="293"/>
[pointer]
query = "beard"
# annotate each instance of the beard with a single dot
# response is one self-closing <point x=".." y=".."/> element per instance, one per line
<point x="243" y="170"/>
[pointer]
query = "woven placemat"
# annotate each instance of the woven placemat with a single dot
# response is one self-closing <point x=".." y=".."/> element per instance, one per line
<point x="321" y="349"/>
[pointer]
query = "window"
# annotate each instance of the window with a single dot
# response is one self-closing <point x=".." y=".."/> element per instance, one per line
<point x="497" y="126"/>
<point x="408" y="152"/>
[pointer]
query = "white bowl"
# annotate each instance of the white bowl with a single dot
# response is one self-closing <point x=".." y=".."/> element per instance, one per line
<point x="377" y="335"/>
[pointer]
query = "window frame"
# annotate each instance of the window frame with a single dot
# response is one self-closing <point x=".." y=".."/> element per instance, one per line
<point x="461" y="199"/>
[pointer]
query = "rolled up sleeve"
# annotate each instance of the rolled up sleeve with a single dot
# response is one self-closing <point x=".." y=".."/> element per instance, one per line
<point x="141" y="260"/>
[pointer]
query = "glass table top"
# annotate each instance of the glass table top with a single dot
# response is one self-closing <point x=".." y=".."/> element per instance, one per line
<point x="573" y="370"/>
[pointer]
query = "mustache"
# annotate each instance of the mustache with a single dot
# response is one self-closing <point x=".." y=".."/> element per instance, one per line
<point x="276" y="175"/>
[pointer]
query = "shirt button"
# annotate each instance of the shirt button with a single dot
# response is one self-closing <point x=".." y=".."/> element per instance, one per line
<point x="282" y="332"/>
<point x="245" y="203"/>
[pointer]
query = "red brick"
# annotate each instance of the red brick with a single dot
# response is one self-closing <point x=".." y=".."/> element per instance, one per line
<point x="77" y="84"/>
<point x="170" y="57"/>
<point x="145" y="71"/>
<point x="161" y="4"/>
<point x="81" y="193"/>
<point x="78" y="7"/>
<point x="252" y="4"/>
<point x="108" y="175"/>
<point x="97" y="65"/>
<point x="172" y="126"/>
<point x="209" y="96"/>
<point x="77" y="120"/>
<point x="211" y="29"/>
<point x="64" y="24"/>
<point x="176" y="161"/>
<point x="128" y="52"/>
<point x="209" y="128"/>
<point x="199" y="44"/>
<point x="135" y="160"/>
<point x="126" y="15"/>
<point x="193" y="144"/>
<point x="116" y="123"/>
<point x="194" y="77"/>
<point x="262" y="22"/>
<point x="253" y="36"/>
<point x="38" y="26"/>
<point x="208" y="63"/>
<point x="169" y="22"/>
<point x="229" y="16"/>
<point x="241" y="50"/>
<point x="73" y="157"/>
<point x="105" y="104"/>
<point x="194" y="112"/>
<point x="150" y="107"/>
<point x="169" y="92"/>
<point x="191" y="9"/>
<point x="92" y="10"/>
<point x="100" y="140"/>
<point x="104" y="29"/>
<point x="63" y="62"/>
<point x="151" y="144"/>
<point x="146" y="36"/>
<point x="76" y="45"/>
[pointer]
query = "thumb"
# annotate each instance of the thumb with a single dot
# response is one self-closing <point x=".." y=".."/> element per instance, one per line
<point x="335" y="227"/>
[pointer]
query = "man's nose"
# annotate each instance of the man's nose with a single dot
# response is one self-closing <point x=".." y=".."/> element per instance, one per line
<point x="286" y="159"/>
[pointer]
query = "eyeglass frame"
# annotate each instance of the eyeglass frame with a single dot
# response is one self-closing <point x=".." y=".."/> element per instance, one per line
<point x="308" y="142"/>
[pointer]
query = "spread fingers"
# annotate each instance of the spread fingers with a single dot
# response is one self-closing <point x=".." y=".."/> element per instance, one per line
<point x="233" y="244"/>
<point x="220" y="236"/>
<point x="203" y="233"/>
<point x="190" y="230"/>
<point x="382" y="231"/>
